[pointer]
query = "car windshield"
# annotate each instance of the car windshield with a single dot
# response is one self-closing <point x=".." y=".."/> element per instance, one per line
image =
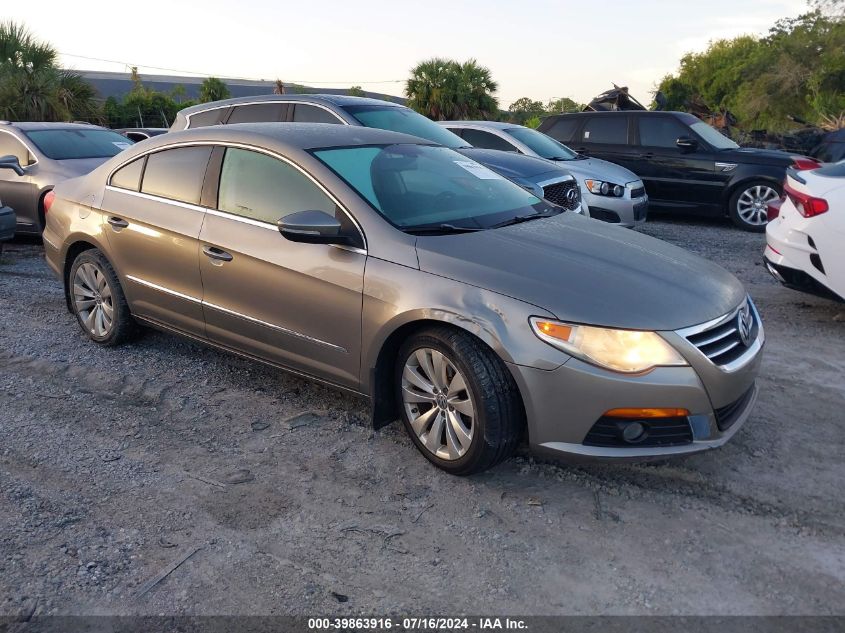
<point x="712" y="136"/>
<point x="418" y="186"/>
<point x="542" y="145"/>
<point x="405" y="120"/>
<point x="68" y="143"/>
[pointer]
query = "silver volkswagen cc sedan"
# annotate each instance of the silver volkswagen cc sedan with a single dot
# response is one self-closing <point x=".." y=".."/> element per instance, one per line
<point x="406" y="272"/>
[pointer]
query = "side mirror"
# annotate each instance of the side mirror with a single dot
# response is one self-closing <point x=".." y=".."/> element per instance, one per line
<point x="12" y="162"/>
<point x="687" y="144"/>
<point x="311" y="227"/>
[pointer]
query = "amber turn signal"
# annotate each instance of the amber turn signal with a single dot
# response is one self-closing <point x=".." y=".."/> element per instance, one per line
<point x="555" y="330"/>
<point x="640" y="414"/>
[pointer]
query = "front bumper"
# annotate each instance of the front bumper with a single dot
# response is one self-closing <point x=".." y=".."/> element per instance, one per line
<point x="8" y="222"/>
<point x="564" y="404"/>
<point x="625" y="211"/>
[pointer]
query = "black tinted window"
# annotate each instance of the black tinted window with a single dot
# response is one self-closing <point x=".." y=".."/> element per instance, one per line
<point x="129" y="176"/>
<point x="486" y="140"/>
<point x="258" y="113"/>
<point x="608" y="128"/>
<point x="10" y="146"/>
<point x="208" y="117"/>
<point x="563" y="129"/>
<point x="660" y="131"/>
<point x="304" y="113"/>
<point x="261" y="187"/>
<point x="177" y="173"/>
<point x="81" y="142"/>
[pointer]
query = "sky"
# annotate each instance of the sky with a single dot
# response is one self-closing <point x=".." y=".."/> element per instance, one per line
<point x="542" y="49"/>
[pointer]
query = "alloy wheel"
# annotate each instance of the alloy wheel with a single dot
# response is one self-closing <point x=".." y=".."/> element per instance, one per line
<point x="751" y="205"/>
<point x="438" y="404"/>
<point x="92" y="298"/>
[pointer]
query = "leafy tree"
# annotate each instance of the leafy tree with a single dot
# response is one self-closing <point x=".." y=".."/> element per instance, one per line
<point x="797" y="70"/>
<point x="533" y="122"/>
<point x="525" y="108"/>
<point x="33" y="87"/>
<point x="212" y="89"/>
<point x="564" y="104"/>
<point x="445" y="89"/>
<point x="357" y="91"/>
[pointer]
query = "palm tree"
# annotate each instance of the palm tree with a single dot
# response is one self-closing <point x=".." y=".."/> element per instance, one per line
<point x="212" y="89"/>
<point x="33" y="87"/>
<point x="445" y="89"/>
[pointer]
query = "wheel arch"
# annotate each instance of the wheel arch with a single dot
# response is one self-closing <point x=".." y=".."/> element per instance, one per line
<point x="76" y="246"/>
<point x="729" y="191"/>
<point x="384" y="408"/>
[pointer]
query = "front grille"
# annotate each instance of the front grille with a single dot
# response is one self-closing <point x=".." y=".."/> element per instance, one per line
<point x="659" y="432"/>
<point x="559" y="194"/>
<point x="639" y="192"/>
<point x="722" y="343"/>
<point x="727" y="415"/>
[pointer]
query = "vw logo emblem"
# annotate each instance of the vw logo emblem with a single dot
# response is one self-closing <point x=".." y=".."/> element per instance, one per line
<point x="744" y="323"/>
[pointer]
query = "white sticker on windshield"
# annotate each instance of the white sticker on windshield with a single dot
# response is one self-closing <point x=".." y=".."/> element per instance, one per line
<point x="121" y="144"/>
<point x="479" y="171"/>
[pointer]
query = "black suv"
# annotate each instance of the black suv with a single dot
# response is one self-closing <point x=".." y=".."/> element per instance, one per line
<point x="686" y="165"/>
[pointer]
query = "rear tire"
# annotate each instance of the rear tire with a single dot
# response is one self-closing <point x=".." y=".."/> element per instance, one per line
<point x="747" y="206"/>
<point x="98" y="302"/>
<point x="460" y="404"/>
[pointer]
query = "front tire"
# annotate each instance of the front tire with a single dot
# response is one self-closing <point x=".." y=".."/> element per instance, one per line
<point x="98" y="302"/>
<point x="747" y="206"/>
<point x="460" y="405"/>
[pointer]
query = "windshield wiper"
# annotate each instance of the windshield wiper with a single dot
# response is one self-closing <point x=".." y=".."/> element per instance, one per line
<point x="560" y="158"/>
<point x="440" y="228"/>
<point x="526" y="218"/>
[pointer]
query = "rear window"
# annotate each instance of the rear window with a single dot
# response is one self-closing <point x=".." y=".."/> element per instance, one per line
<point x="486" y="140"/>
<point x="177" y="174"/>
<point x="70" y="143"/>
<point x="405" y="120"/>
<point x="608" y="128"/>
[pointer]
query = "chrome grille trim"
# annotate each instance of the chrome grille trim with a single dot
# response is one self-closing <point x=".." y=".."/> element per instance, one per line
<point x="729" y="335"/>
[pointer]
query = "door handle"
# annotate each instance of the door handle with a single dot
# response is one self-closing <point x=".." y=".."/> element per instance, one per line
<point x="215" y="253"/>
<point x="118" y="223"/>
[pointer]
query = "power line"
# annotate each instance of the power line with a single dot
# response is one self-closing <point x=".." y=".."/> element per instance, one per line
<point x="192" y="72"/>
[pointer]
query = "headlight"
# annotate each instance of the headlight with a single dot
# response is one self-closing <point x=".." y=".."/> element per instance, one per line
<point x="628" y="351"/>
<point x="603" y="188"/>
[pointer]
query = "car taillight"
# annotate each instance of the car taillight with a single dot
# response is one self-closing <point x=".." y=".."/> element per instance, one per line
<point x="48" y="201"/>
<point x="802" y="163"/>
<point x="807" y="205"/>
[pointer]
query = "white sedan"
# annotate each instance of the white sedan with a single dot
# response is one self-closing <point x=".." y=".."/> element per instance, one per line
<point x="805" y="236"/>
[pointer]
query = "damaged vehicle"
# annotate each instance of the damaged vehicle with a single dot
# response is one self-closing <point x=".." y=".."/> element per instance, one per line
<point x="406" y="272"/>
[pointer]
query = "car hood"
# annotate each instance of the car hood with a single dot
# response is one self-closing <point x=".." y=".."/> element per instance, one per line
<point x="598" y="169"/>
<point x="513" y="165"/>
<point x="756" y="156"/>
<point x="586" y="271"/>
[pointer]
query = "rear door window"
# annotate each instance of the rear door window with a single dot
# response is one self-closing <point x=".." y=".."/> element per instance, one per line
<point x="563" y="129"/>
<point x="304" y="113"/>
<point x="486" y="140"/>
<point x="177" y="174"/>
<point x="660" y="131"/>
<point x="609" y="129"/>
<point x="129" y="176"/>
<point x="258" y="113"/>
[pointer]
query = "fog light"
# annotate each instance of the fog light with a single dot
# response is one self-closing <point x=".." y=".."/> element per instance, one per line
<point x="633" y="432"/>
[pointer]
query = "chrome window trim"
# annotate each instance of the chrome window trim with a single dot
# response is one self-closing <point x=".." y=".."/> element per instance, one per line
<point x="25" y="144"/>
<point x="750" y="353"/>
<point x="253" y="148"/>
<point x="249" y="103"/>
<point x="213" y="306"/>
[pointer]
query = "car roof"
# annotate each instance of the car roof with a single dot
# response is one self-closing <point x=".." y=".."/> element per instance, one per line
<point x="338" y="100"/>
<point x="615" y="112"/>
<point x="28" y="126"/>
<point x="303" y="136"/>
<point x="494" y="125"/>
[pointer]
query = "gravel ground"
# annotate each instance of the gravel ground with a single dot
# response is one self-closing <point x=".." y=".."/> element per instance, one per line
<point x="277" y="498"/>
